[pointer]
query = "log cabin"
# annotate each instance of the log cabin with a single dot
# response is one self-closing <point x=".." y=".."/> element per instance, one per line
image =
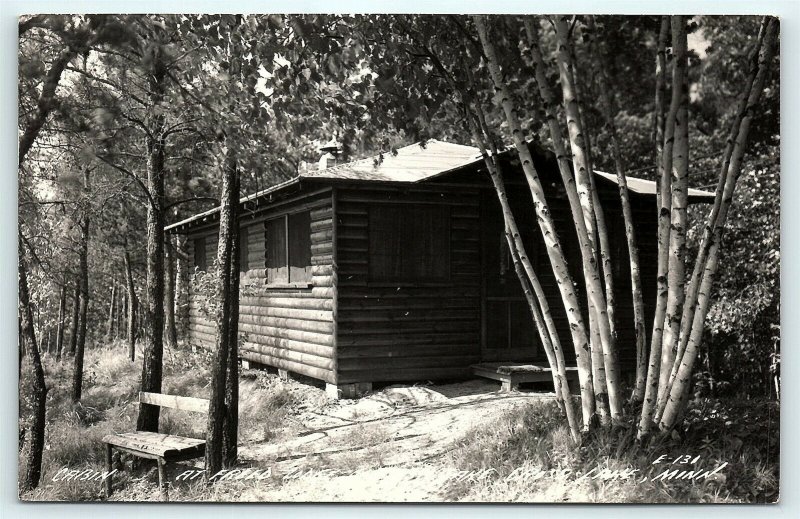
<point x="396" y="269"/>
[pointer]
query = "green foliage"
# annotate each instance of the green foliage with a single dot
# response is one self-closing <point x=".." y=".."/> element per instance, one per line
<point x="534" y="438"/>
<point x="205" y="285"/>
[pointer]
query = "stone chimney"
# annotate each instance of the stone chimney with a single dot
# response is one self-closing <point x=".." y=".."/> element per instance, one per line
<point x="330" y="154"/>
<point x="326" y="161"/>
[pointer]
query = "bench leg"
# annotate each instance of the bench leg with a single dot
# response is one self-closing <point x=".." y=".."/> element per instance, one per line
<point x="162" y="479"/>
<point x="109" y="468"/>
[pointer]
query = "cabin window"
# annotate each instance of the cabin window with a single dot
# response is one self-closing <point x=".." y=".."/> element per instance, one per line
<point x="409" y="243"/>
<point x="288" y="254"/>
<point x="200" y="253"/>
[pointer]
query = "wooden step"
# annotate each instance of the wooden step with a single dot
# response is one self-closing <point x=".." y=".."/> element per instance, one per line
<point x="511" y="374"/>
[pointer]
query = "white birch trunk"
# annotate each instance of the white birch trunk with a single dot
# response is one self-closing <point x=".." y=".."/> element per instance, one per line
<point x="584" y="186"/>
<point x="679" y="180"/>
<point x="679" y="389"/>
<point x="702" y="254"/>
<point x="663" y="204"/>
<point x="552" y="243"/>
<point x="598" y="57"/>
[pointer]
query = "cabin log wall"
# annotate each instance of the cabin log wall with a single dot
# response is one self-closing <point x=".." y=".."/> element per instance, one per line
<point x="405" y="331"/>
<point x="345" y="328"/>
<point x="288" y="328"/>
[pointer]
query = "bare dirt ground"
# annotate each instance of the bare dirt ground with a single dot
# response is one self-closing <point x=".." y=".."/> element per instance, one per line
<point x="383" y="447"/>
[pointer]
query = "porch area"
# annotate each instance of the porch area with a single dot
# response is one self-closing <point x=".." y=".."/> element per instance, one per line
<point x="512" y="374"/>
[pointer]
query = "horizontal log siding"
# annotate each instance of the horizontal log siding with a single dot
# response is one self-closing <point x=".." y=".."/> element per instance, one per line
<point x="291" y="328"/>
<point x="406" y="332"/>
<point x="287" y="328"/>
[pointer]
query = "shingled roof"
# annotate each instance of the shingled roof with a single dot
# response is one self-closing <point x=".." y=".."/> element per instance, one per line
<point x="414" y="163"/>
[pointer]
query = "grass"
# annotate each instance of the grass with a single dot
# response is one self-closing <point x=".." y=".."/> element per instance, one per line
<point x="528" y="456"/>
<point x="265" y="405"/>
<point x="524" y="455"/>
<point x="109" y="404"/>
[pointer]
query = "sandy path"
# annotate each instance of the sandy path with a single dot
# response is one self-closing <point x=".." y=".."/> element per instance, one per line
<point x="383" y="447"/>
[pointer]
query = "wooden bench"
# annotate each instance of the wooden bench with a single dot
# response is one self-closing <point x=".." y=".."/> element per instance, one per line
<point x="511" y="374"/>
<point x="163" y="448"/>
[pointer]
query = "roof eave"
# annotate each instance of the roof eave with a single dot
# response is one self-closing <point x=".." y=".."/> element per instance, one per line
<point x="207" y="216"/>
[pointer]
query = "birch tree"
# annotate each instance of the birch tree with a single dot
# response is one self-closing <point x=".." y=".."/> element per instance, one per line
<point x="598" y="57"/>
<point x="581" y="207"/>
<point x="552" y="242"/>
<point x="131" y="306"/>
<point x="663" y="205"/>
<point x="677" y="392"/>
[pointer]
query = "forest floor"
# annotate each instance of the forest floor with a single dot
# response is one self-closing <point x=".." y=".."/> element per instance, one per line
<point x="462" y="441"/>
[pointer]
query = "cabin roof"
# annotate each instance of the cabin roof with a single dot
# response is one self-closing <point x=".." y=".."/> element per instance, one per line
<point x="649" y="187"/>
<point x="413" y="164"/>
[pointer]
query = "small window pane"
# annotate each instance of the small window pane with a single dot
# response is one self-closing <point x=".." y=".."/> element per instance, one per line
<point x="277" y="271"/>
<point x="409" y="243"/>
<point x="523" y="334"/>
<point x="200" y="253"/>
<point x="497" y="324"/>
<point x="300" y="247"/>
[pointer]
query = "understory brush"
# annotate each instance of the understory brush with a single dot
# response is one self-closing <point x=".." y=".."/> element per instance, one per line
<point x="74" y="432"/>
<point x="109" y="404"/>
<point x="528" y="456"/>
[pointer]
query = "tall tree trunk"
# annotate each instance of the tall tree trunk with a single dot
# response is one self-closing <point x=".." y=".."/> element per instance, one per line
<point x="154" y="313"/>
<point x="62" y="311"/>
<point x="702" y="254"/>
<point x="540" y="310"/>
<point x="169" y="296"/>
<point x="119" y="317"/>
<point x="680" y="185"/>
<point x="49" y="342"/>
<point x="662" y="140"/>
<point x="181" y="287"/>
<point x="132" y="304"/>
<point x="37" y="308"/>
<point x="112" y="310"/>
<point x="219" y="369"/>
<point x="83" y="259"/>
<point x="601" y="62"/>
<point x="583" y="216"/>
<point x="123" y="321"/>
<point x="552" y="243"/>
<point x="601" y="232"/>
<point x="678" y="392"/>
<point x="230" y="434"/>
<point x="594" y="286"/>
<point x="584" y="229"/>
<point x="75" y="321"/>
<point x="32" y="471"/>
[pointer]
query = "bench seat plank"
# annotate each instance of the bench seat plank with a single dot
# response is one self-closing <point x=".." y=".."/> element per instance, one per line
<point x="183" y="403"/>
<point x="166" y="446"/>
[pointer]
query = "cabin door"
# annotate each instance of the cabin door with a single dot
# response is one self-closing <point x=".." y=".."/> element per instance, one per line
<point x="508" y="332"/>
